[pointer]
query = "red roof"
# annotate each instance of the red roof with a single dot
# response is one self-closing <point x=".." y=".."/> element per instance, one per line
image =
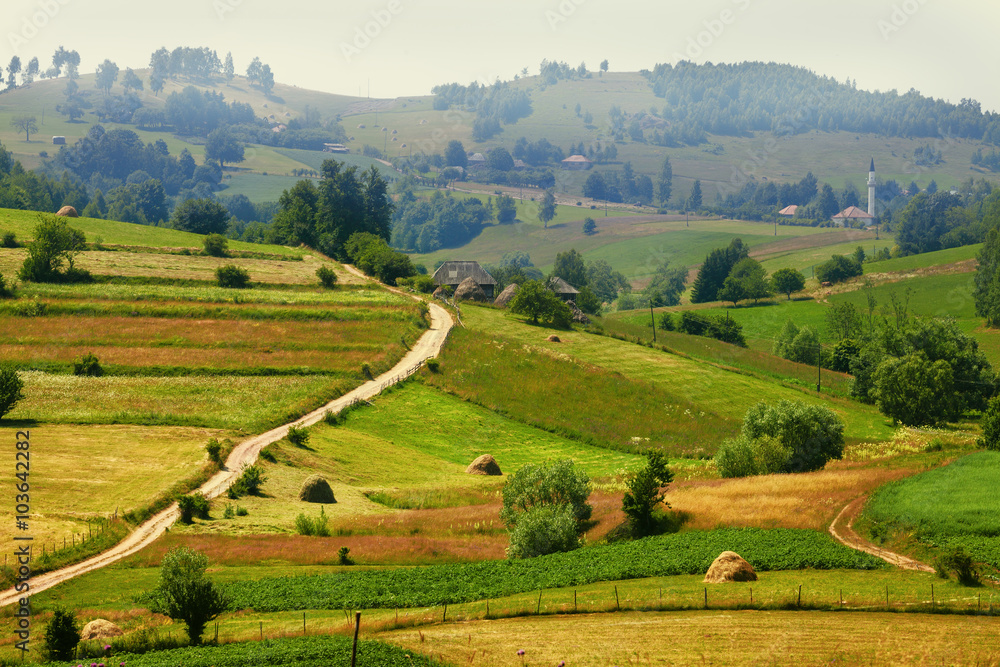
<point x="576" y="158"/>
<point x="853" y="213"/>
<point x="789" y="210"/>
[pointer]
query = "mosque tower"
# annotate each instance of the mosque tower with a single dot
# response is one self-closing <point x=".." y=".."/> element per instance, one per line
<point x="871" y="189"/>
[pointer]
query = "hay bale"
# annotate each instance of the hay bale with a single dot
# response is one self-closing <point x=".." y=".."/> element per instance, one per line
<point x="68" y="212"/>
<point x="469" y="290"/>
<point x="316" y="490"/>
<point x="484" y="465"/>
<point x="100" y="629"/>
<point x="578" y="315"/>
<point x="729" y="566"/>
<point x="440" y="293"/>
<point x="554" y="339"/>
<point x="506" y="295"/>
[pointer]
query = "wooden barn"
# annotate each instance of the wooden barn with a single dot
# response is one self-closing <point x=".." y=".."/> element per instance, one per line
<point x="453" y="273"/>
<point x="563" y="289"/>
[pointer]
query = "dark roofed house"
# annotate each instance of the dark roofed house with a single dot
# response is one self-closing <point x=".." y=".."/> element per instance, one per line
<point x="563" y="289"/>
<point x="453" y="273"/>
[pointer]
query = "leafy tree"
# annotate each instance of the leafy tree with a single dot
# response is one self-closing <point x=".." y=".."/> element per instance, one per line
<point x="570" y="267"/>
<point x="548" y="208"/>
<point x="13" y="69"/>
<point x="838" y="269"/>
<point x="107" y="74"/>
<point x="506" y="209"/>
<point x="604" y="280"/>
<point x="327" y="277"/>
<point x="251" y="479"/>
<point x="255" y="70"/>
<point x="88" y="366"/>
<point x="537" y="302"/>
<point x="542" y="530"/>
<point x="787" y="280"/>
<point x="223" y="146"/>
<point x="454" y="154"/>
<point x="216" y="245"/>
<point x="553" y="484"/>
<point x="694" y="200"/>
<point x="595" y="187"/>
<point x="645" y="491"/>
<point x="604" y="66"/>
<point x="826" y="205"/>
<point x="62" y="634"/>
<point x="131" y="81"/>
<point x="666" y="286"/>
<point x="747" y="280"/>
<point x="372" y="254"/>
<point x="266" y="79"/>
<point x="499" y="159"/>
<point x="715" y="270"/>
<point x="843" y="320"/>
<point x="987" y="280"/>
<point x="11" y="389"/>
<point x="923" y="221"/>
<point x="664" y="184"/>
<point x="229" y="69"/>
<point x="201" y="216"/>
<point x="232" y="276"/>
<point x="814" y="434"/>
<point x="192" y="505"/>
<point x="186" y="594"/>
<point x="914" y="391"/>
<point x="55" y="244"/>
<point x="26" y="124"/>
<point x="732" y="290"/>
<point x="745" y="457"/>
<point x="991" y="426"/>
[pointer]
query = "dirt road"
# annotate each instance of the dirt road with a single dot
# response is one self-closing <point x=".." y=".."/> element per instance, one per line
<point x="843" y="531"/>
<point x="427" y="346"/>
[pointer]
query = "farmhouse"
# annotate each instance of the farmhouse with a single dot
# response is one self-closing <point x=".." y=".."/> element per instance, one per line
<point x="577" y="162"/>
<point x="789" y="211"/>
<point x="853" y="214"/>
<point x="563" y="289"/>
<point x="453" y="273"/>
<point x="335" y="148"/>
<point x="477" y="160"/>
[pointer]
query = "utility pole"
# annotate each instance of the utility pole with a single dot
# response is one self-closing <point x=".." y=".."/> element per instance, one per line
<point x="819" y="374"/>
<point x="652" y="319"/>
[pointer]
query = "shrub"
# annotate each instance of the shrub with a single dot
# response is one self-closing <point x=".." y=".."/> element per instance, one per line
<point x="201" y="216"/>
<point x="216" y="245"/>
<point x="268" y="455"/>
<point x="744" y="457"/>
<point x="666" y="322"/>
<point x="314" y="527"/>
<point x="185" y="593"/>
<point x="242" y="511"/>
<point x="193" y="505"/>
<point x="434" y="365"/>
<point x="214" y="450"/>
<point x="812" y="433"/>
<point x="62" y="634"/>
<point x="535" y="485"/>
<point x="33" y="308"/>
<point x="644" y="492"/>
<point x="419" y="283"/>
<point x="88" y="365"/>
<point x="991" y="426"/>
<point x="249" y="482"/>
<point x="9" y="240"/>
<point x="7" y="291"/>
<point x="11" y="389"/>
<point x="958" y="561"/>
<point x="344" y="556"/>
<point x="55" y="245"/>
<point x="838" y="269"/>
<point x="298" y="435"/>
<point x="327" y="277"/>
<point x="232" y="276"/>
<point x="544" y="529"/>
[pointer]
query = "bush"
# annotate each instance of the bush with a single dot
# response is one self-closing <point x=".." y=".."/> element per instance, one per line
<point x="744" y="457"/>
<point x="9" y="240"/>
<point x="232" y="276"/>
<point x="88" y="365"/>
<point x="193" y="505"/>
<point x="298" y="435"/>
<point x="242" y="511"/>
<point x="991" y="426"/>
<point x="327" y="277"/>
<point x="55" y="245"/>
<point x="535" y="485"/>
<point x="268" y="455"/>
<point x="214" y="450"/>
<point x="201" y="216"/>
<point x="958" y="561"/>
<point x="434" y="365"/>
<point x="812" y="433"/>
<point x="249" y="482"/>
<point x="838" y="269"/>
<point x="62" y="634"/>
<point x="419" y="283"/>
<point x="7" y="291"/>
<point x="11" y="389"/>
<point x="216" y="245"/>
<point x="913" y="391"/>
<point x="537" y="302"/>
<point x="644" y="493"/>
<point x="344" y="556"/>
<point x="542" y="530"/>
<point x="666" y="322"/>
<point x="185" y="593"/>
<point x="313" y="527"/>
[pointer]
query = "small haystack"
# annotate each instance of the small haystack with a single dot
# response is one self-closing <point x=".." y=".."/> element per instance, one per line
<point x="484" y="465"/>
<point x="729" y="566"/>
<point x="554" y="339"/>
<point x="470" y="290"/>
<point x="578" y="315"/>
<point x="316" y="490"/>
<point x="506" y="295"/>
<point x="68" y="212"/>
<point x="100" y="629"/>
<point x="440" y="293"/>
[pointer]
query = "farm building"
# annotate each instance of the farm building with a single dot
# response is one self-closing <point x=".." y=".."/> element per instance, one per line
<point x="59" y="141"/>
<point x="853" y="214"/>
<point x="563" y="289"/>
<point x="578" y="162"/>
<point x="335" y="148"/>
<point x="789" y="210"/>
<point x="453" y="273"/>
<point x="477" y="160"/>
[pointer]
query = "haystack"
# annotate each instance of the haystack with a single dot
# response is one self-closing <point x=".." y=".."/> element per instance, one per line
<point x="484" y="465"/>
<point x="441" y="292"/>
<point x="100" y="629"/>
<point x="316" y="490"/>
<point x="578" y="315"/>
<point x="469" y="290"/>
<point x="68" y="212"/>
<point x="506" y="295"/>
<point x="554" y="339"/>
<point x="729" y="566"/>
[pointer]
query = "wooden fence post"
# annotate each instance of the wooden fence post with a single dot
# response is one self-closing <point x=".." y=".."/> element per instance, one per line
<point x="538" y="606"/>
<point x="354" y="648"/>
<point x="706" y="597"/>
<point x="800" y="596"/>
<point x="617" y="603"/>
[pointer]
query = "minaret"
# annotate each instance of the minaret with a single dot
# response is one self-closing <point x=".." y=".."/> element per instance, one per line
<point x="871" y="189"/>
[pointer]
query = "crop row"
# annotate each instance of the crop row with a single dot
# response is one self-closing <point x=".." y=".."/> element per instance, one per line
<point x="684" y="553"/>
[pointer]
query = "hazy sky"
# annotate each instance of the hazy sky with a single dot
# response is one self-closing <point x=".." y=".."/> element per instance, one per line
<point x="404" y="47"/>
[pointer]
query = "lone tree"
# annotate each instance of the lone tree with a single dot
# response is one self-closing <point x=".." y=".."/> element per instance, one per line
<point x="62" y="634"/>
<point x="786" y="281"/>
<point x="224" y="147"/>
<point x="26" y="124"/>
<point x="645" y="492"/>
<point x="538" y="302"/>
<point x="186" y="594"/>
<point x="544" y="507"/>
<point x="548" y="209"/>
<point x="55" y="244"/>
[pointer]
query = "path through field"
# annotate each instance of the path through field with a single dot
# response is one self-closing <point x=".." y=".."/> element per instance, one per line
<point x="427" y="346"/>
<point x="843" y="531"/>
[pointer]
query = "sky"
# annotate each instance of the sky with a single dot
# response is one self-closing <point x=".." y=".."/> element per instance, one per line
<point x="399" y="48"/>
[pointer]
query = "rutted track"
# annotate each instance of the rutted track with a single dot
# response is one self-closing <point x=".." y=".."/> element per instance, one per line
<point x="843" y="531"/>
<point x="427" y="346"/>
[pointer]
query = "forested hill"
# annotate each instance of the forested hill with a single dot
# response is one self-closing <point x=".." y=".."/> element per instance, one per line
<point x="736" y="99"/>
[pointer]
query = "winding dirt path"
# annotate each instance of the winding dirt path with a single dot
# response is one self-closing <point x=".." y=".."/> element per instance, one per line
<point x="427" y="346"/>
<point x="843" y="531"/>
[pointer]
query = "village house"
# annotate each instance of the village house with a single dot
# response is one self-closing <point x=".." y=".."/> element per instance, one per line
<point x="453" y="273"/>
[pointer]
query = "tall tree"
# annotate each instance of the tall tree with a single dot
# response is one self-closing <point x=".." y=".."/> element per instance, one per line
<point x="254" y="71"/>
<point x="715" y="270"/>
<point x="32" y="70"/>
<point x="223" y="146"/>
<point x="987" y="282"/>
<point x="266" y="79"/>
<point x="131" y="81"/>
<point x="664" y="184"/>
<point x="570" y="267"/>
<point x="13" y="69"/>
<point x="229" y="69"/>
<point x="26" y="124"/>
<point x="827" y="205"/>
<point x="107" y="74"/>
<point x="694" y="201"/>
<point x="454" y="154"/>
<point x="548" y="208"/>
